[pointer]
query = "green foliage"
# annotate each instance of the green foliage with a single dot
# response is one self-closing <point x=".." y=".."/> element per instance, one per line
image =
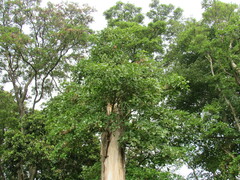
<point x="92" y="172"/>
<point x="28" y="146"/>
<point x="217" y="12"/>
<point x="121" y="71"/>
<point x="138" y="173"/>
<point x="183" y="107"/>
<point x="8" y="119"/>
<point x="74" y="143"/>
<point x="123" y="12"/>
<point x="38" y="45"/>
<point x="163" y="12"/>
<point x="8" y="110"/>
<point x="204" y="54"/>
<point x="170" y="15"/>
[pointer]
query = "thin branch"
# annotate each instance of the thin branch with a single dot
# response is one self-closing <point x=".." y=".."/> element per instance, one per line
<point x="36" y="93"/>
<point x="34" y="74"/>
<point x="234" y="66"/>
<point x="211" y="64"/>
<point x="46" y="76"/>
<point x="236" y="119"/>
<point x="228" y="153"/>
<point x="28" y="63"/>
<point x="23" y="98"/>
<point x="56" y="85"/>
<point x="233" y="112"/>
<point x="12" y="77"/>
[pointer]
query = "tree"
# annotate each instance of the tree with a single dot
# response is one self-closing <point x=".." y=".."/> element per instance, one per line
<point x="205" y="53"/>
<point x="26" y="152"/>
<point x="74" y="144"/>
<point x="169" y="14"/>
<point x="8" y="118"/>
<point x="38" y="45"/>
<point x="123" y="12"/>
<point x="122" y="87"/>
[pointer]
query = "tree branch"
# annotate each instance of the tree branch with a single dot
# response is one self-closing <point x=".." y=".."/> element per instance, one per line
<point x="23" y="98"/>
<point x="236" y="119"/>
<point x="46" y="76"/>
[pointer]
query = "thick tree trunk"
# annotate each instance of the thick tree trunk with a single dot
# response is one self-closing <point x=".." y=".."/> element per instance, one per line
<point x="112" y="156"/>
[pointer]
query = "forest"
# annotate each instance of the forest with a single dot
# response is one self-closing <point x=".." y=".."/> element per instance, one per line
<point x="149" y="93"/>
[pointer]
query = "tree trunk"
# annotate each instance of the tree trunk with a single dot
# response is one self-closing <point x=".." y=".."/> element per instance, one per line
<point x="20" y="171"/>
<point x="112" y="156"/>
<point x="32" y="172"/>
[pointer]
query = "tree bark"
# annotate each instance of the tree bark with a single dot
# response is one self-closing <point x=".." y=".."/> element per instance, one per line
<point x="32" y="172"/>
<point x="20" y="171"/>
<point x="112" y="156"/>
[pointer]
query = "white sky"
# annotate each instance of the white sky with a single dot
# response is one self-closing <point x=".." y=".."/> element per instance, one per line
<point x="192" y="8"/>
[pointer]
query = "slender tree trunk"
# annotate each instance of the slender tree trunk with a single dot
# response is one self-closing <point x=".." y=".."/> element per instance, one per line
<point x="113" y="161"/>
<point x="32" y="172"/>
<point x="20" y="171"/>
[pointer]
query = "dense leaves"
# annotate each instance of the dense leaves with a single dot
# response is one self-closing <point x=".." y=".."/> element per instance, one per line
<point x="123" y="12"/>
<point x="38" y="45"/>
<point x="172" y="87"/>
<point x="121" y="71"/>
<point x="205" y="53"/>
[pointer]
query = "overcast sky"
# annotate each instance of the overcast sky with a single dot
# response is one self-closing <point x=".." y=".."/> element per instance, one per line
<point x="192" y="8"/>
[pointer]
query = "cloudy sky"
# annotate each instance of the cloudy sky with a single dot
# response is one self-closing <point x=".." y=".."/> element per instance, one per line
<point x="192" y="8"/>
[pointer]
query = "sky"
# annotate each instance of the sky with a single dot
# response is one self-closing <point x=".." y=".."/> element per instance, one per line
<point x="192" y="8"/>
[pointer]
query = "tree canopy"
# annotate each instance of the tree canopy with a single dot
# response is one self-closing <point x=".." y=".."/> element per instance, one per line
<point x="135" y="100"/>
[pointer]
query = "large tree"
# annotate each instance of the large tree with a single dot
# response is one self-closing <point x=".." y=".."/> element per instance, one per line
<point x="207" y="54"/>
<point x="123" y="87"/>
<point x="121" y="90"/>
<point x="37" y="46"/>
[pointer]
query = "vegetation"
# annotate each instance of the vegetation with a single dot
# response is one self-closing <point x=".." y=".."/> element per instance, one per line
<point x="127" y="102"/>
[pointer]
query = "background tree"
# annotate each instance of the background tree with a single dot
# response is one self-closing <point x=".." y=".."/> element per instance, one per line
<point x="123" y="12"/>
<point x="37" y="45"/>
<point x="26" y="152"/>
<point x="8" y="119"/>
<point x="169" y="14"/>
<point x="206" y="54"/>
<point x="74" y="152"/>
